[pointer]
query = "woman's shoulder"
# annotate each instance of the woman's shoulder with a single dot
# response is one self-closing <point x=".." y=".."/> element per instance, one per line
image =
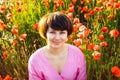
<point x="37" y="54"/>
<point x="38" y="51"/>
<point x="74" y="50"/>
<point x="73" y="47"/>
<point x="76" y="53"/>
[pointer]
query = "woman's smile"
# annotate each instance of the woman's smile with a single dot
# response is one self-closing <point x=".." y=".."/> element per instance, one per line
<point x="56" y="43"/>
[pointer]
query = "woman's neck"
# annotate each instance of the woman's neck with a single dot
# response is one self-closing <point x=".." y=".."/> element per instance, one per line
<point x="56" y="51"/>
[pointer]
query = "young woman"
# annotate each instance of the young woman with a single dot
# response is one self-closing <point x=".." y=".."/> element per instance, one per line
<point x="57" y="60"/>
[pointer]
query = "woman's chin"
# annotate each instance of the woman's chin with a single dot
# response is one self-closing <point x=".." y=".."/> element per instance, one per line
<point x="57" y="46"/>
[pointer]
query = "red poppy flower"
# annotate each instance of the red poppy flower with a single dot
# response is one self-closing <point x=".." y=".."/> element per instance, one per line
<point x="5" y="55"/>
<point x="59" y="3"/>
<point x="80" y="47"/>
<point x="79" y="24"/>
<point x="91" y="12"/>
<point x="47" y="5"/>
<point x="109" y="17"/>
<point x="11" y="6"/>
<point x="35" y="27"/>
<point x="112" y="1"/>
<point x="5" y="48"/>
<point x="18" y="9"/>
<point x="87" y="41"/>
<point x="100" y="2"/>
<point x="82" y="2"/>
<point x="8" y="77"/>
<point x="75" y="28"/>
<point x="86" y="32"/>
<point x="104" y="29"/>
<point x="70" y="16"/>
<point x="101" y="37"/>
<point x="77" y="42"/>
<point x="82" y="28"/>
<point x="96" y="55"/>
<point x="19" y="3"/>
<point x="22" y="37"/>
<point x="15" y="42"/>
<point x="117" y="5"/>
<point x="76" y="20"/>
<point x="96" y="9"/>
<point x="71" y="37"/>
<point x="70" y="5"/>
<point x="101" y="9"/>
<point x="1" y="77"/>
<point x="90" y="46"/>
<point x="108" y="4"/>
<point x="114" y="33"/>
<point x="2" y="9"/>
<point x="9" y="15"/>
<point x="96" y="47"/>
<point x="84" y="9"/>
<point x="103" y="44"/>
<point x="74" y="1"/>
<point x="100" y="17"/>
<point x="80" y="35"/>
<point x="116" y="71"/>
<point x="71" y="9"/>
<point x="2" y="26"/>
<point x="86" y="16"/>
<point x="15" y="30"/>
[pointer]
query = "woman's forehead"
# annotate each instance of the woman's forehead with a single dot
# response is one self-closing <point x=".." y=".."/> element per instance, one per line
<point x="51" y="29"/>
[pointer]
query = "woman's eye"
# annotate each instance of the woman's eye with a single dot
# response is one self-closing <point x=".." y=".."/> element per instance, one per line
<point x="52" y="32"/>
<point x="62" y="32"/>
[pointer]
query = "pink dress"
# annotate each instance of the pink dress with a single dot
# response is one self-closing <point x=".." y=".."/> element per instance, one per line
<point x="75" y="68"/>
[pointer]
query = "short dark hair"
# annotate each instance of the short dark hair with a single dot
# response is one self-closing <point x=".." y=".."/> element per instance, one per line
<point x="55" y="20"/>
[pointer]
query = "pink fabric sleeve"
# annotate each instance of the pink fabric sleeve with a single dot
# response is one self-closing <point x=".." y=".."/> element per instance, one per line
<point x="32" y="74"/>
<point x="82" y="69"/>
<point x="33" y="71"/>
<point x="34" y="77"/>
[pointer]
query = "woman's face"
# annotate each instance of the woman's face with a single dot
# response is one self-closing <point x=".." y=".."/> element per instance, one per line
<point x="56" y="38"/>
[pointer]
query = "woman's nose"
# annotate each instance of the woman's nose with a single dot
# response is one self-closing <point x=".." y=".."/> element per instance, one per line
<point x="57" y="36"/>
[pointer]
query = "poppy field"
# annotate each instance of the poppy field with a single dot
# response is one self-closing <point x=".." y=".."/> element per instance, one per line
<point x="96" y="31"/>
